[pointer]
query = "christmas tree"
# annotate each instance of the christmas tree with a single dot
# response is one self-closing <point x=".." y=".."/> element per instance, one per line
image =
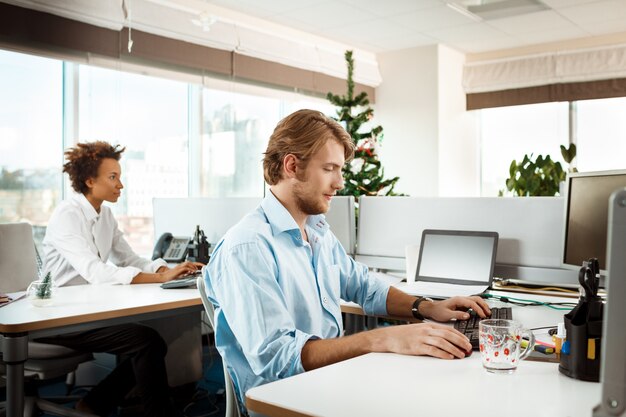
<point x="364" y="175"/>
<point x="45" y="289"/>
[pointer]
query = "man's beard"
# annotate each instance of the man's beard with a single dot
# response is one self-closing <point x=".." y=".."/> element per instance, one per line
<point x="307" y="204"/>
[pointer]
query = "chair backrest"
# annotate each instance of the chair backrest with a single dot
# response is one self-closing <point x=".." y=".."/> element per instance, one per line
<point x="18" y="262"/>
<point x="232" y="405"/>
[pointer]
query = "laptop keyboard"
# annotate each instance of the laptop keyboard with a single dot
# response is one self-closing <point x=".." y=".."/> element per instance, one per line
<point x="470" y="327"/>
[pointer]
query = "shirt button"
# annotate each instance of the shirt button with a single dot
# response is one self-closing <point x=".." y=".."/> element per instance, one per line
<point x="324" y="300"/>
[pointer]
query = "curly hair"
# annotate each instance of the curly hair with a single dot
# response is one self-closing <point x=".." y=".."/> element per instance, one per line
<point x="302" y="134"/>
<point x="84" y="159"/>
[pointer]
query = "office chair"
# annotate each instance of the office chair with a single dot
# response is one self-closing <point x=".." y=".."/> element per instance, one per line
<point x="232" y="404"/>
<point x="18" y="267"/>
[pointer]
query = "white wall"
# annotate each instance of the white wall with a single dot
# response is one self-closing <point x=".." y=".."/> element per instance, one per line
<point x="431" y="142"/>
<point x="407" y="107"/>
<point x="459" y="150"/>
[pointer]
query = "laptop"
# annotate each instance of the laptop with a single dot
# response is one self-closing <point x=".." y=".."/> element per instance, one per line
<point x="454" y="262"/>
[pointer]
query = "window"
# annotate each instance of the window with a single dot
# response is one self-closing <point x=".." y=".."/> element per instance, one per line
<point x="601" y="138"/>
<point x="508" y="133"/>
<point x="148" y="116"/>
<point x="181" y="139"/>
<point x="31" y="110"/>
<point x="236" y="129"/>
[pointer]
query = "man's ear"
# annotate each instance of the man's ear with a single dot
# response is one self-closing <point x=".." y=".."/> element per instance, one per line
<point x="89" y="183"/>
<point x="290" y="165"/>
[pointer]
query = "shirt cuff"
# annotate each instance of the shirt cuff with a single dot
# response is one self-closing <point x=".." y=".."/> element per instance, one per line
<point x="155" y="265"/>
<point x="377" y="305"/>
<point x="126" y="274"/>
<point x="301" y="339"/>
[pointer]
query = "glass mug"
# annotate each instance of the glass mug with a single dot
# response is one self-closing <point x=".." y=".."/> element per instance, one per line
<point x="501" y="344"/>
<point x="40" y="293"/>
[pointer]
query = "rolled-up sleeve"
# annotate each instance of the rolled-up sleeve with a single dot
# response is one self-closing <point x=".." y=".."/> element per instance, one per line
<point x="358" y="286"/>
<point x="244" y="280"/>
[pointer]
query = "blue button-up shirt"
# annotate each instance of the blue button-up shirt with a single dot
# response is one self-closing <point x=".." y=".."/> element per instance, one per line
<point x="272" y="292"/>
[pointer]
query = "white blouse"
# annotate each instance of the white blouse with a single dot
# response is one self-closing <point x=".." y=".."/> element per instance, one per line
<point x="79" y="242"/>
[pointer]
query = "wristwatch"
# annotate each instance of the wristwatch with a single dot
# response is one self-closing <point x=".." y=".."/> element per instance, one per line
<point x="416" y="305"/>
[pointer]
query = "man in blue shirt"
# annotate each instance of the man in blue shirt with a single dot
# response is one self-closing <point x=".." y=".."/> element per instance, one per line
<point x="277" y="277"/>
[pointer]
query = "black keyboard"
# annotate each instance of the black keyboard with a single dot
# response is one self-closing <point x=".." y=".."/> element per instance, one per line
<point x="470" y="327"/>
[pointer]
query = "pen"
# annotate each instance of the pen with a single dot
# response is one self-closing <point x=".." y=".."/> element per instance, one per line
<point x="546" y="350"/>
<point x="539" y="342"/>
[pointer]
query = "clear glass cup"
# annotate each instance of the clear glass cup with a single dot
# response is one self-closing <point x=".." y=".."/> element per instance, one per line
<point x="40" y="293"/>
<point x="501" y="344"/>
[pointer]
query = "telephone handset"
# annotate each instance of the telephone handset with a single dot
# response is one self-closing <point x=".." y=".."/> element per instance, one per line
<point x="171" y="248"/>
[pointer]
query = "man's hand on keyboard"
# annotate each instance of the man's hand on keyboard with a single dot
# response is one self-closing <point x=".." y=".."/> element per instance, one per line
<point x="455" y="308"/>
<point x="430" y="339"/>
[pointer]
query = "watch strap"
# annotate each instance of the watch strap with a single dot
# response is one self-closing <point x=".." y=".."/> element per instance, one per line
<point x="416" y="305"/>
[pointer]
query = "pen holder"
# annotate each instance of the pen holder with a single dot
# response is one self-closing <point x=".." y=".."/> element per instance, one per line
<point x="581" y="353"/>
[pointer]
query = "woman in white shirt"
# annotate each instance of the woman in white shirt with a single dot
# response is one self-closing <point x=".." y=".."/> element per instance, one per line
<point x="84" y="245"/>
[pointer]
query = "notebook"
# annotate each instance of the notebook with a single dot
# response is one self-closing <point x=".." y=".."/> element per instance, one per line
<point x="454" y="262"/>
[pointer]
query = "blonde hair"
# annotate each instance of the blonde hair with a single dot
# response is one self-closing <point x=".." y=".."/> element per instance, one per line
<point x="302" y="134"/>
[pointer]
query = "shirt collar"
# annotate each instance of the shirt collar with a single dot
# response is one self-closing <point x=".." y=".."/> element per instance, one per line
<point x="281" y="220"/>
<point x="89" y="212"/>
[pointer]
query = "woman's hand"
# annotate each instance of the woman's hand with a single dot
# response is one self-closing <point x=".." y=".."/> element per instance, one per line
<point x="179" y="271"/>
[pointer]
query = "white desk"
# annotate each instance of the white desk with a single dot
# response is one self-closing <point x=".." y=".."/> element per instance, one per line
<point x="385" y="384"/>
<point x="78" y="308"/>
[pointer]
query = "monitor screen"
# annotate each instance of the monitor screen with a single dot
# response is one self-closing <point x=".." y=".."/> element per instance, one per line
<point x="456" y="256"/>
<point x="586" y="215"/>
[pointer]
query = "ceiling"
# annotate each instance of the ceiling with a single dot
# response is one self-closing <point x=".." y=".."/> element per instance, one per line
<point x="301" y="32"/>
<point x="386" y="25"/>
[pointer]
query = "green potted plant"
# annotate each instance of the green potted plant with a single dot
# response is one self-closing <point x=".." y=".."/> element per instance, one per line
<point x="539" y="177"/>
<point x="40" y="292"/>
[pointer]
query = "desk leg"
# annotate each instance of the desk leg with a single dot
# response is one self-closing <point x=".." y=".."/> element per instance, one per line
<point x="14" y="354"/>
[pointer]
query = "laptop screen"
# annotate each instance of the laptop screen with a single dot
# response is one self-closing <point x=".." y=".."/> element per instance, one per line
<point x="457" y="257"/>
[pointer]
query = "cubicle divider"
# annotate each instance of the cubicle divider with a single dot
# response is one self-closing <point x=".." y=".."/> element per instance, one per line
<point x="530" y="228"/>
<point x="180" y="216"/>
<point x="342" y="221"/>
<point x="530" y="231"/>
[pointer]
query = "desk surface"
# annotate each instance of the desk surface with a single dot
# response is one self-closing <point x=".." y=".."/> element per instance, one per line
<point x="386" y="384"/>
<point x="88" y="303"/>
<point x="380" y="384"/>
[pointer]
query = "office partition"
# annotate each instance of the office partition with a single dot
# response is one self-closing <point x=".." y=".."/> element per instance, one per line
<point x="342" y="221"/>
<point x="179" y="216"/>
<point x="530" y="229"/>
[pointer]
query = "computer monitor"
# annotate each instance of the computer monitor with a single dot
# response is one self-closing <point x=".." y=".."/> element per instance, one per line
<point x="586" y="215"/>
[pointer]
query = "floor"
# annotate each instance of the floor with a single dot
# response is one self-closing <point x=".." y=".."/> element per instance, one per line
<point x="206" y="398"/>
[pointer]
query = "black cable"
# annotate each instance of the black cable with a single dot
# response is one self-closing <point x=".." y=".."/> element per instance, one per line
<point x="544" y="327"/>
<point x="522" y="302"/>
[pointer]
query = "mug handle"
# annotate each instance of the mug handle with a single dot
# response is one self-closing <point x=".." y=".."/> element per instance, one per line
<point x="531" y="344"/>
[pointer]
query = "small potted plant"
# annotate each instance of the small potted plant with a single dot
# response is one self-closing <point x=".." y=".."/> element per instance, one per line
<point x="40" y="292"/>
<point x="540" y="177"/>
